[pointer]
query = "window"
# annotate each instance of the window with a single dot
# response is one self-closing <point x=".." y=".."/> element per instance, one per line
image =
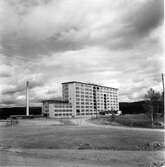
<point x="46" y="106"/>
<point x="46" y="110"/>
<point x="77" y="112"/>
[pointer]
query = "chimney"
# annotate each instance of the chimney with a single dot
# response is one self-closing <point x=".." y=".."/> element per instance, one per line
<point x="27" y="98"/>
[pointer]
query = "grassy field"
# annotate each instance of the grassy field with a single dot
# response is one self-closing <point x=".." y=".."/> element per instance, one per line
<point x="131" y="120"/>
<point x="60" y="143"/>
<point x="54" y="136"/>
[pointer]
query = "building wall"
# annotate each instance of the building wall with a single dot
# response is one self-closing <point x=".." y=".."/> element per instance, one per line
<point x="90" y="99"/>
<point x="51" y="110"/>
<point x="63" y="110"/>
<point x="58" y="110"/>
<point x="45" y="109"/>
<point x="72" y="96"/>
<point x="69" y="94"/>
<point x="83" y="100"/>
<point x="65" y="91"/>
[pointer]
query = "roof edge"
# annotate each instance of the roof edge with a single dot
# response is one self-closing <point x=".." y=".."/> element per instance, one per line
<point x="70" y="82"/>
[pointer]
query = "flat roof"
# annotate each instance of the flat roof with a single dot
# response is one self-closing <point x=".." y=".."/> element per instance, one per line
<point x="70" y="82"/>
<point x="55" y="101"/>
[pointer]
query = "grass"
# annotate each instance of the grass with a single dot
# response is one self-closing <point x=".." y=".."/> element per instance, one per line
<point x="132" y="120"/>
<point x="75" y="137"/>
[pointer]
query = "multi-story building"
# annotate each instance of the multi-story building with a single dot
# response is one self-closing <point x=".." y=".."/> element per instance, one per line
<point x="84" y="99"/>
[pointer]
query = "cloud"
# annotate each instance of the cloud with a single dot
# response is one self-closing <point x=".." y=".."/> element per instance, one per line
<point x="12" y="90"/>
<point x="4" y="75"/>
<point x="139" y="23"/>
<point x="19" y="88"/>
<point x="15" y="94"/>
<point x="150" y="16"/>
<point x="114" y="43"/>
<point x="63" y="27"/>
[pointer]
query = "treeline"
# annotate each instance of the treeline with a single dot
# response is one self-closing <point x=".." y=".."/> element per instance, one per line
<point x="136" y="107"/>
<point x="125" y="107"/>
<point x="132" y="107"/>
<point x="7" y="112"/>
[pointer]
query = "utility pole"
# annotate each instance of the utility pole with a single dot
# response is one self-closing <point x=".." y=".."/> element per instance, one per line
<point x="27" y="98"/>
<point x="163" y="81"/>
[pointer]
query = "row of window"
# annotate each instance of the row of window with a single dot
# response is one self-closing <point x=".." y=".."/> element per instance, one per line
<point x="78" y="86"/>
<point x="98" y="103"/>
<point x="91" y="111"/>
<point x="84" y="106"/>
<point x="62" y="106"/>
<point x="65" y="87"/>
<point x="86" y="86"/>
<point x="86" y="113"/>
<point x="87" y="110"/>
<point x="98" y="99"/>
<point x="61" y="111"/>
<point x="98" y="107"/>
<point x="108" y="103"/>
<point x="67" y="114"/>
<point x="98" y="94"/>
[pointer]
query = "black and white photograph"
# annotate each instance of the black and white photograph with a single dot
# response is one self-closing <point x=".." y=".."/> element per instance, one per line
<point x="82" y="83"/>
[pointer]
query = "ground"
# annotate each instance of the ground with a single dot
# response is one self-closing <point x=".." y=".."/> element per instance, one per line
<point x="131" y="120"/>
<point x="60" y="143"/>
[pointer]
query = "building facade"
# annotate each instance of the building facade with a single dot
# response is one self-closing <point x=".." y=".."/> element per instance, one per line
<point x="56" y="108"/>
<point x="83" y="99"/>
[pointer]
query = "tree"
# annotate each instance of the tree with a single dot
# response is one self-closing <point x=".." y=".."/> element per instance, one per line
<point x="162" y="104"/>
<point x="152" y="105"/>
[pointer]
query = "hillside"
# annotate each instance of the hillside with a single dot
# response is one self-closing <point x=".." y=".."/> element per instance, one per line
<point x="6" y="112"/>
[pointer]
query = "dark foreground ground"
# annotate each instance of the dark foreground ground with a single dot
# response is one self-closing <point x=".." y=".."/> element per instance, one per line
<point x="51" y="143"/>
<point x="80" y="158"/>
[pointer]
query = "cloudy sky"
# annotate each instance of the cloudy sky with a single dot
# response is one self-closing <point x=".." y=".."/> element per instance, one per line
<point x="113" y="43"/>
